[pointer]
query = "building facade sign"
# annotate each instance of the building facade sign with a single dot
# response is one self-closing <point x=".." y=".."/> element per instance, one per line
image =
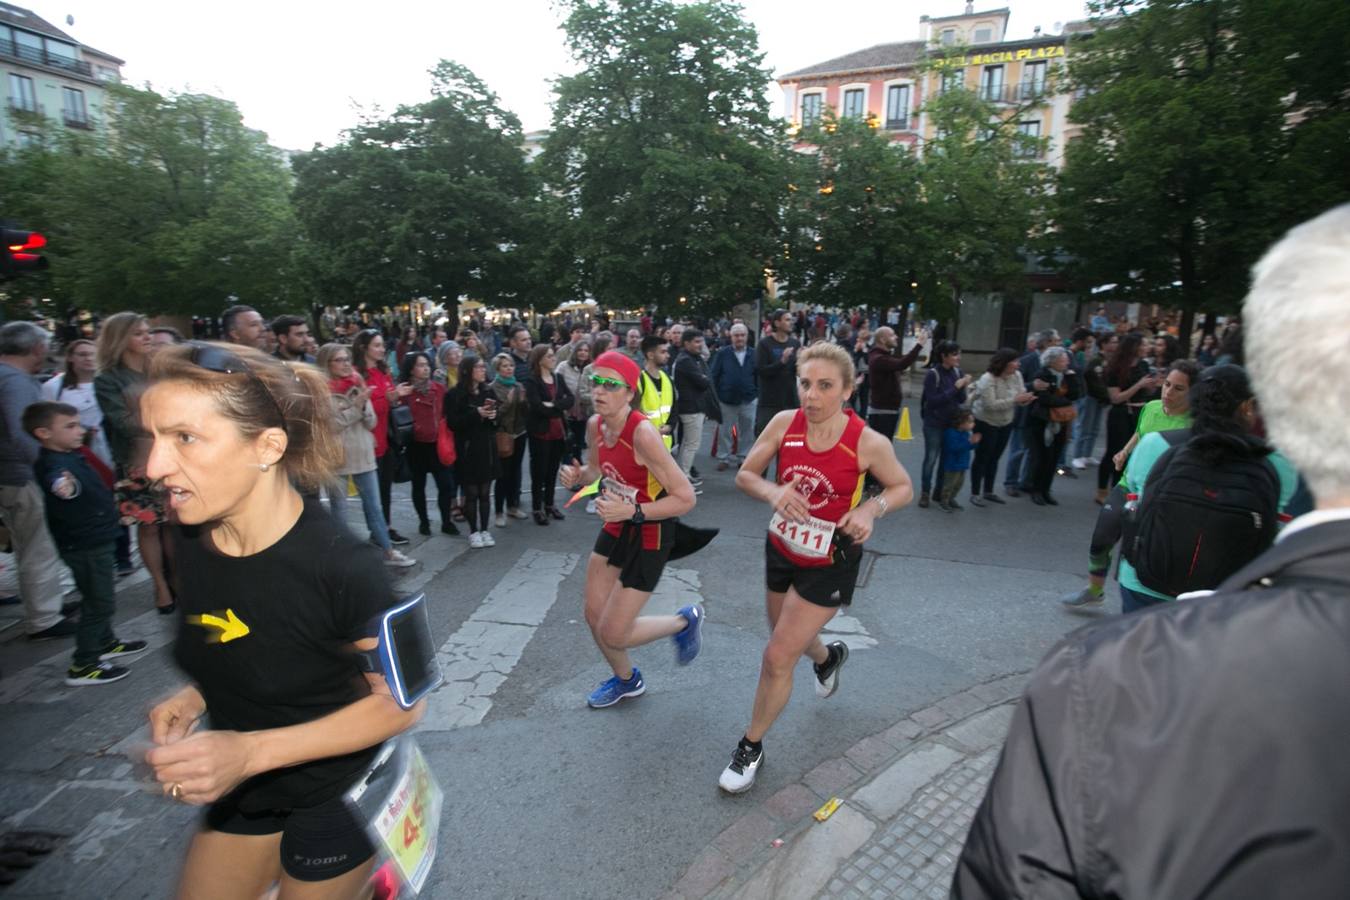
<point x="1001" y="56"/>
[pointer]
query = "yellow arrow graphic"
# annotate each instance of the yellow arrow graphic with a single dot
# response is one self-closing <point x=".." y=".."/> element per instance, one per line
<point x="230" y="625"/>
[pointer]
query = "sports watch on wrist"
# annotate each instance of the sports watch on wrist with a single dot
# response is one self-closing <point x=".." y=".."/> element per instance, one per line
<point x="638" y="517"/>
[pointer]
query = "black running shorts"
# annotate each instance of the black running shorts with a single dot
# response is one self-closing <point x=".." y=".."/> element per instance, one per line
<point x="317" y="842"/>
<point x="829" y="586"/>
<point x="639" y="569"/>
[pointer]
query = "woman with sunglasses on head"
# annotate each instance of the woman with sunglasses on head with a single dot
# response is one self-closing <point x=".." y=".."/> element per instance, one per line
<point x="123" y="355"/>
<point x="369" y="361"/>
<point x="473" y="413"/>
<point x="278" y="599"/>
<point x="814" y="544"/>
<point x="354" y="416"/>
<point x="642" y="492"/>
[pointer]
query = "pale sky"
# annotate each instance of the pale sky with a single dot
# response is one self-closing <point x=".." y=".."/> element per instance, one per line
<point x="302" y="71"/>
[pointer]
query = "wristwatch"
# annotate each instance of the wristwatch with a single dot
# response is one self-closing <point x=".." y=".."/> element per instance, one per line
<point x="638" y="517"/>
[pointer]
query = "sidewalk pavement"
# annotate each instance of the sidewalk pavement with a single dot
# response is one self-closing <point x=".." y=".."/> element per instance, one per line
<point x="909" y="794"/>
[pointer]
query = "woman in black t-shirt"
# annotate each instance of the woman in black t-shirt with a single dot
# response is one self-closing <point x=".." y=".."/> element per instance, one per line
<point x="277" y="596"/>
<point x="1128" y="385"/>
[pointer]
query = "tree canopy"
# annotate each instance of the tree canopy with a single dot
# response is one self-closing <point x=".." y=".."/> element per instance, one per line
<point x="668" y="165"/>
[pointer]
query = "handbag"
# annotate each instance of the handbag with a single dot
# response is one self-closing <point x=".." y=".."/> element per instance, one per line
<point x="445" y="445"/>
<point x="400" y="426"/>
<point x="1063" y="414"/>
<point x="506" y="444"/>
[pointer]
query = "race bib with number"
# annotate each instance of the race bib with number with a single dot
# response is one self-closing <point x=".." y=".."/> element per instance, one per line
<point x="403" y="813"/>
<point x="810" y="538"/>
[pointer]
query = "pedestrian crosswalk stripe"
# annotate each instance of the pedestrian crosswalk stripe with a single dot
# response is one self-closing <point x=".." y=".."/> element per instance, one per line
<point x="480" y="656"/>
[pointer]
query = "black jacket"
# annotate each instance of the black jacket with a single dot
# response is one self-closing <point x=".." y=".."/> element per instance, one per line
<point x="692" y="381"/>
<point x="1069" y="390"/>
<point x="1194" y="749"/>
<point x="536" y="421"/>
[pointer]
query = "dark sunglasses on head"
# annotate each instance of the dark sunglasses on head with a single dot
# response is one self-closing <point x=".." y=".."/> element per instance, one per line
<point x="215" y="358"/>
<point x="607" y="384"/>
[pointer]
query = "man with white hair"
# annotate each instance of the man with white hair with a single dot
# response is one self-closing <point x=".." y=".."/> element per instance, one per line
<point x="632" y="347"/>
<point x="733" y="376"/>
<point x="1197" y="748"/>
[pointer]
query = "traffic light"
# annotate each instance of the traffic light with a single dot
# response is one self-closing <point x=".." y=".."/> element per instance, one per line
<point x="18" y="252"/>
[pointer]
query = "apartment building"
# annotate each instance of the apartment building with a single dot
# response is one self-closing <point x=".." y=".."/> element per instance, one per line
<point x="51" y="80"/>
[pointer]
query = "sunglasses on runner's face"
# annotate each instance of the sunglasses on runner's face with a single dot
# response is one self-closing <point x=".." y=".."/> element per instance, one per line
<point x="218" y="359"/>
<point x="609" y="385"/>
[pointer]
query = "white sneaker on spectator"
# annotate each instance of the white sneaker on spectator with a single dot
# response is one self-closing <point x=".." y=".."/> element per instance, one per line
<point x="1079" y="462"/>
<point x="397" y="560"/>
<point x="486" y="537"/>
<point x="476" y="540"/>
<point x="501" y="520"/>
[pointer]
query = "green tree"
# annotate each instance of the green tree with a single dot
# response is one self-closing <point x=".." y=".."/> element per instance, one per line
<point x="852" y="224"/>
<point x="983" y="187"/>
<point x="174" y="207"/>
<point x="1208" y="128"/>
<point x="434" y="200"/>
<point x="670" y="168"/>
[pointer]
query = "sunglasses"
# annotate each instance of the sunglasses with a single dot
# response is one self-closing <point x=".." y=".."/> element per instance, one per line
<point x="608" y="384"/>
<point x="217" y="359"/>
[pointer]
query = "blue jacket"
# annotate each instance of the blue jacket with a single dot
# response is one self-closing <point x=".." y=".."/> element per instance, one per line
<point x="941" y="398"/>
<point x="735" y="382"/>
<point x="956" y="448"/>
<point x="83" y="522"/>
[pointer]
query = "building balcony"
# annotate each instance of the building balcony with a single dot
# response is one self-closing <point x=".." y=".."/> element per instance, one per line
<point x="21" y="108"/>
<point x="904" y="124"/>
<point x="36" y="56"/>
<point x="76" y="120"/>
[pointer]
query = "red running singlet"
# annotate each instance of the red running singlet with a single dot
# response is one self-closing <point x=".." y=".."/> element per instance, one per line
<point x="830" y="480"/>
<point x="624" y="475"/>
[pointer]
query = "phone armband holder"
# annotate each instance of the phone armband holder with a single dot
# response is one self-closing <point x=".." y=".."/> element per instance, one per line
<point x="404" y="654"/>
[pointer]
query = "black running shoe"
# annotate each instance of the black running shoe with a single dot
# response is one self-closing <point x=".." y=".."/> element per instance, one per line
<point x="124" y="650"/>
<point x="827" y="676"/>
<point x="100" y="673"/>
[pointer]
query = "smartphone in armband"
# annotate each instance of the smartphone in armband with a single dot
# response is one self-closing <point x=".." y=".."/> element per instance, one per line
<point x="405" y="655"/>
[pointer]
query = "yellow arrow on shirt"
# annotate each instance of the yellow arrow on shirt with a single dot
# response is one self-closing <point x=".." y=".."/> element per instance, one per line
<point x="230" y="625"/>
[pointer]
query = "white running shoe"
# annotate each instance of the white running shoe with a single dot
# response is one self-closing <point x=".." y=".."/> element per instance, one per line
<point x="517" y="513"/>
<point x="739" y="775"/>
<point x="397" y="560"/>
<point x="487" y="538"/>
<point x="501" y="520"/>
<point x="476" y="540"/>
<point x="1079" y="463"/>
<point x="1092" y="461"/>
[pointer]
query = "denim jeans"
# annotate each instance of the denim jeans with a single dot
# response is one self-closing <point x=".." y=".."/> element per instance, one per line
<point x="92" y="568"/>
<point x="368" y="489"/>
<point x="1015" y="476"/>
<point x="932" y="458"/>
<point x="1086" y="427"/>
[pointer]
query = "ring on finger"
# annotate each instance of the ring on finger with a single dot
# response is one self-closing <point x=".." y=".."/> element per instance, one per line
<point x="176" y="792"/>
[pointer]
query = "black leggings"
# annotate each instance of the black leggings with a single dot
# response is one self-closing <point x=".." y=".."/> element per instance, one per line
<point x="423" y="461"/>
<point x="576" y="440"/>
<point x="384" y="472"/>
<point x="478" y="505"/>
<point x="508" y="485"/>
<point x="545" y="457"/>
<point x="1120" y="425"/>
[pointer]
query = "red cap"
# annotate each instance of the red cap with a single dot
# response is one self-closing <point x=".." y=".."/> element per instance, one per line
<point x="627" y="369"/>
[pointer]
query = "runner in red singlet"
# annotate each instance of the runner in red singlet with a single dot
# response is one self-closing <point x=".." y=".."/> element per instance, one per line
<point x="815" y="535"/>
<point x="643" y="491"/>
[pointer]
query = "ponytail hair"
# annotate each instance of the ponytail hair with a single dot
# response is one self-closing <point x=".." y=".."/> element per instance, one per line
<point x="1218" y="432"/>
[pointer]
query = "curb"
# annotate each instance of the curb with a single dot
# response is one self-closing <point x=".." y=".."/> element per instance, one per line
<point x="745" y="848"/>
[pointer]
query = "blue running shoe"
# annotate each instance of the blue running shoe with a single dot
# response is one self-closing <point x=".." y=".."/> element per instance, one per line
<point x="614" y="689"/>
<point x="689" y="641"/>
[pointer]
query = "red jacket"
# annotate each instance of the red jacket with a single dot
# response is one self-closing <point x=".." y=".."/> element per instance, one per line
<point x="380" y="385"/>
<point x="426" y="411"/>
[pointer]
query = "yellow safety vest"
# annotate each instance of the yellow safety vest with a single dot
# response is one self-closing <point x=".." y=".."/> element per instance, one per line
<point x="656" y="401"/>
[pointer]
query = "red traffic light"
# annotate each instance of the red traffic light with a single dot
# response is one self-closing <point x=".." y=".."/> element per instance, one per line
<point x="21" y="242"/>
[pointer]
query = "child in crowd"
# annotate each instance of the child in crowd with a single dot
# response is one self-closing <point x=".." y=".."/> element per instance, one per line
<point x="957" y="444"/>
<point x="83" y="521"/>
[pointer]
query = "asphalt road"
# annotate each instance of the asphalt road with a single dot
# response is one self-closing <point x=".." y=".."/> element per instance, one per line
<point x="545" y="797"/>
